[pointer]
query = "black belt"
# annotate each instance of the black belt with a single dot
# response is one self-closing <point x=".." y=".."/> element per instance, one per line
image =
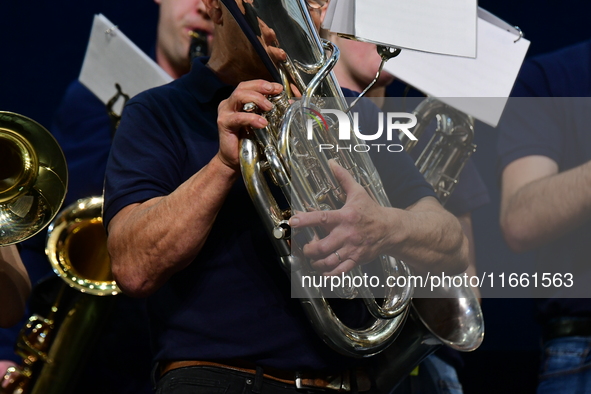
<point x="566" y="327"/>
<point x="339" y="382"/>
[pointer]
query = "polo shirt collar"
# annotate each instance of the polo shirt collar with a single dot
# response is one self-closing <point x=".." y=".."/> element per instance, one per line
<point x="205" y="85"/>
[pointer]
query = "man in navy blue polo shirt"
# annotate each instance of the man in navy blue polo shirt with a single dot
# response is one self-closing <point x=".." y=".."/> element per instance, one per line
<point x="545" y="206"/>
<point x="183" y="230"/>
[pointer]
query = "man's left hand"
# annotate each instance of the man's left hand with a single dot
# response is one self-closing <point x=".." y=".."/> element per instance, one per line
<point x="357" y="233"/>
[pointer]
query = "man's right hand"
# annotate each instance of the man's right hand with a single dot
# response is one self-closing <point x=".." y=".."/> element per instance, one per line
<point x="232" y="119"/>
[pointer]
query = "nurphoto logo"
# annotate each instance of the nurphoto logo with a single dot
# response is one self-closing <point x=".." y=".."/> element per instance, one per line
<point x="401" y="122"/>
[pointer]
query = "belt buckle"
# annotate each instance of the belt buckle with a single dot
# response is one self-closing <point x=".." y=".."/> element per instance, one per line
<point x="340" y="382"/>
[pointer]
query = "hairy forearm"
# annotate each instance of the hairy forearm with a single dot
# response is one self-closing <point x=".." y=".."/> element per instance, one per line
<point x="546" y="209"/>
<point x="14" y="286"/>
<point x="430" y="239"/>
<point x="424" y="235"/>
<point x="151" y="241"/>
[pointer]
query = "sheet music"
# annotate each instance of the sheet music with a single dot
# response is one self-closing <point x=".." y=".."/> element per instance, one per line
<point x="340" y="17"/>
<point x="457" y="81"/>
<point x="446" y="27"/>
<point x="112" y="58"/>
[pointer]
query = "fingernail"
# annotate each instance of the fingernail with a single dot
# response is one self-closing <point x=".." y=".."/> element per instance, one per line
<point x="262" y="122"/>
<point x="294" y="221"/>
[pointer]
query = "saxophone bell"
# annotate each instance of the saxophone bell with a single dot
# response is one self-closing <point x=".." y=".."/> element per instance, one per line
<point x="54" y="346"/>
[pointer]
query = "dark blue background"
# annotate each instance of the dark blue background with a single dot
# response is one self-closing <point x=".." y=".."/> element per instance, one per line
<point x="42" y="44"/>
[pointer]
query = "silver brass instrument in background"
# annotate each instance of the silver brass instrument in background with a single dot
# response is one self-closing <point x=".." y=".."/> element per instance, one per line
<point x="445" y="155"/>
<point x="54" y="347"/>
<point x="282" y="152"/>
<point x="33" y="178"/>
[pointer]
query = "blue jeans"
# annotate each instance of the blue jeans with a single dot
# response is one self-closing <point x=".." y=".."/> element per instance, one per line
<point x="566" y="366"/>
<point x="435" y="377"/>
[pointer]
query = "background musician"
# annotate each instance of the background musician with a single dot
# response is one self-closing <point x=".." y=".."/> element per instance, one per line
<point x="545" y="152"/>
<point x="184" y="233"/>
<point x="83" y="129"/>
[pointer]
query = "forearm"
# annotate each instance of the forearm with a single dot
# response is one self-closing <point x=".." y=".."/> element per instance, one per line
<point x="14" y="286"/>
<point x="546" y="209"/>
<point x="151" y="241"/>
<point x="429" y="239"/>
<point x="424" y="235"/>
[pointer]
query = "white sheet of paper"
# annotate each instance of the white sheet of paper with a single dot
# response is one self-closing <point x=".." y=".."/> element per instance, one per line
<point x="453" y="79"/>
<point x="340" y="17"/>
<point x="447" y="27"/>
<point x="112" y="58"/>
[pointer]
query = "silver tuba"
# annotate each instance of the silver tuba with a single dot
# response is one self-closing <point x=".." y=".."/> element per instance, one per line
<point x="283" y="153"/>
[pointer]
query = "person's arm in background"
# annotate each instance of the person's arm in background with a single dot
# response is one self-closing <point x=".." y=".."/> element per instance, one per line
<point x="14" y="290"/>
<point x="15" y="286"/>
<point x="539" y="205"/>
<point x="541" y="202"/>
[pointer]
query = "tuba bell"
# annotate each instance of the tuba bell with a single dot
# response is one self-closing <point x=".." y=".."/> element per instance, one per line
<point x="33" y="178"/>
<point x="54" y="346"/>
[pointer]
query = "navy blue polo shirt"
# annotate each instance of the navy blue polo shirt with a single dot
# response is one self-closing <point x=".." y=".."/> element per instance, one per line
<point x="233" y="301"/>
<point x="558" y="128"/>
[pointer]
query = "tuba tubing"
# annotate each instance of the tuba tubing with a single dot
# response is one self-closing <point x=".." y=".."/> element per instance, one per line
<point x="282" y="152"/>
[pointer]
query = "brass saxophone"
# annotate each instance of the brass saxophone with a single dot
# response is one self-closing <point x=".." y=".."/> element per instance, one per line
<point x="53" y="347"/>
